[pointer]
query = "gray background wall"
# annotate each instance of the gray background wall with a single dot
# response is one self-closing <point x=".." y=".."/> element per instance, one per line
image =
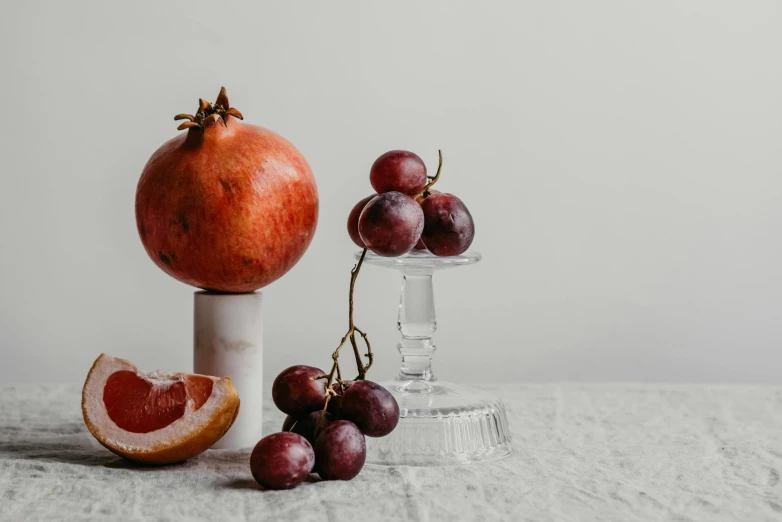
<point x="621" y="159"/>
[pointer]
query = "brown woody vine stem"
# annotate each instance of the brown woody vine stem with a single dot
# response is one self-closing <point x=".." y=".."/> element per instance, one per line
<point x="336" y="372"/>
<point x="425" y="191"/>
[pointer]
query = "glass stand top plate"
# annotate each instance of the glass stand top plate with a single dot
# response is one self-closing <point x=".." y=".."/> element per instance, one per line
<point x="422" y="260"/>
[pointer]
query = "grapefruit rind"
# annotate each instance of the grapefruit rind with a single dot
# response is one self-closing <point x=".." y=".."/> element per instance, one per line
<point x="192" y="434"/>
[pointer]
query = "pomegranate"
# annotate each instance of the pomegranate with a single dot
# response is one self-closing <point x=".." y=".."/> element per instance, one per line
<point x="226" y="206"/>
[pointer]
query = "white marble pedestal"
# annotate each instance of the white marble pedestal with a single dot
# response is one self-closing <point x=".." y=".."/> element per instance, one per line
<point x="228" y="341"/>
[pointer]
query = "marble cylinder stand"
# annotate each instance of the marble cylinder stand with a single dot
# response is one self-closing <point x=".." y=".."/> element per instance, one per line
<point x="228" y="341"/>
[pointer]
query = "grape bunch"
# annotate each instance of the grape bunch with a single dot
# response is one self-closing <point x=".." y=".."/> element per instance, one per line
<point x="316" y="437"/>
<point x="327" y="417"/>
<point x="407" y="214"/>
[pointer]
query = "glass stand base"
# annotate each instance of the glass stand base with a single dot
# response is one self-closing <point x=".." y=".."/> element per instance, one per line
<point x="442" y="424"/>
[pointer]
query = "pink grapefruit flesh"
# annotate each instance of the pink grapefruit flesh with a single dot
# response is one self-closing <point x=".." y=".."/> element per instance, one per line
<point x="137" y="405"/>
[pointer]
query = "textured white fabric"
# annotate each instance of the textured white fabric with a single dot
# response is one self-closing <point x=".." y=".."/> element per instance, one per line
<point x="607" y="452"/>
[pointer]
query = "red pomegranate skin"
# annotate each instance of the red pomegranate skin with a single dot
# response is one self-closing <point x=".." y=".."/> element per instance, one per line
<point x="230" y="208"/>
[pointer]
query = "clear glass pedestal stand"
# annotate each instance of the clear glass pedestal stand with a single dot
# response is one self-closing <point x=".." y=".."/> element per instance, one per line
<point x="441" y="423"/>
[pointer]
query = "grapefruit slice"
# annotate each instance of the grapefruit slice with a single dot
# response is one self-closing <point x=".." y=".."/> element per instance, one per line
<point x="156" y="418"/>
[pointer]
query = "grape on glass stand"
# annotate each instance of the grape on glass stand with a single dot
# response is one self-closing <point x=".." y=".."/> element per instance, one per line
<point x="448" y="225"/>
<point x="391" y="224"/>
<point x="400" y="171"/>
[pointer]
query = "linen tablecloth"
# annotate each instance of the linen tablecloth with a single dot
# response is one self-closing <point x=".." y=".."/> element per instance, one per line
<point x="608" y="452"/>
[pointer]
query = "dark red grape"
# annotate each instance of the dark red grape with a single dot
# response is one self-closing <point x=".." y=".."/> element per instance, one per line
<point x="335" y="403"/>
<point x="448" y="225"/>
<point x="306" y="425"/>
<point x="340" y="451"/>
<point x="282" y="460"/>
<point x="400" y="171"/>
<point x="296" y="391"/>
<point x="370" y="407"/>
<point x="420" y="247"/>
<point x="353" y="221"/>
<point x="391" y="224"/>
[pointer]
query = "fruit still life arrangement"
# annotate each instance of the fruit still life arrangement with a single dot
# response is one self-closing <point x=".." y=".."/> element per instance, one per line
<point x="230" y="207"/>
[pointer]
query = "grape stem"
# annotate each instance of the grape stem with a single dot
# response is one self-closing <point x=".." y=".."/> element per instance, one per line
<point x="336" y="372"/>
<point x="425" y="191"/>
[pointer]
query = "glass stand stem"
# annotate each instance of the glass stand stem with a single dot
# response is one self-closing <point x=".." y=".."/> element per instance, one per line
<point x="417" y="323"/>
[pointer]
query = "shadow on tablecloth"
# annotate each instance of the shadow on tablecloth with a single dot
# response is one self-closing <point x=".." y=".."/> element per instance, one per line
<point x="72" y="444"/>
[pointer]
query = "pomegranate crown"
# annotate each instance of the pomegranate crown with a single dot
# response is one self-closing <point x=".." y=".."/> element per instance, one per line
<point x="207" y="112"/>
